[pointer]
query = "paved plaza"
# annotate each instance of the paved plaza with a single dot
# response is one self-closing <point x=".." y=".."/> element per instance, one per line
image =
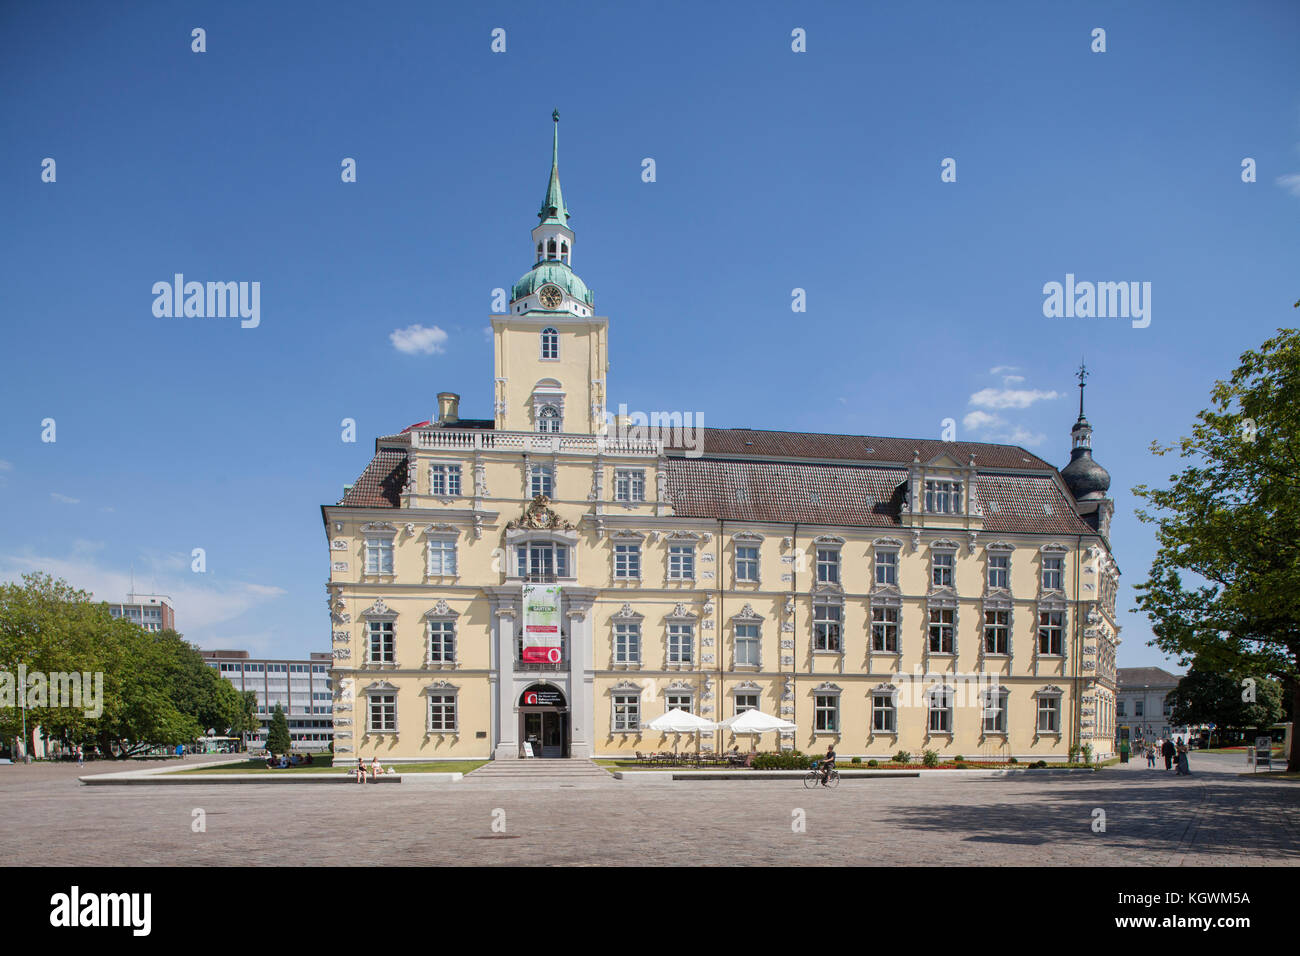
<point x="1152" y="817"/>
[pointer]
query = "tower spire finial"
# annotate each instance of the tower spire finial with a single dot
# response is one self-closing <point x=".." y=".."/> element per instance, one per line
<point x="553" y="207"/>
<point x="1082" y="375"/>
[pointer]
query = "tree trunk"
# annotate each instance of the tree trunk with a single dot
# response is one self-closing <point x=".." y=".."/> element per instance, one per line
<point x="1293" y="761"/>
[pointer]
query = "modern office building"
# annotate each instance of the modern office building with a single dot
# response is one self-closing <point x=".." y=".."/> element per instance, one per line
<point x="541" y="576"/>
<point x="153" y="612"/>
<point x="303" y="690"/>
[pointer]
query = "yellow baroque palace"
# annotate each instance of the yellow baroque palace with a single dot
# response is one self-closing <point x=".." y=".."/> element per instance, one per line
<point x="880" y="594"/>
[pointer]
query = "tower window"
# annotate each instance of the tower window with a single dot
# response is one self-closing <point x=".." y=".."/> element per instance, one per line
<point x="550" y="344"/>
<point x="549" y="420"/>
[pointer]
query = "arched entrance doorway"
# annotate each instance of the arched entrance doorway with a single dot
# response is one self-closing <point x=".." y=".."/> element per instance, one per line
<point x="544" y="721"/>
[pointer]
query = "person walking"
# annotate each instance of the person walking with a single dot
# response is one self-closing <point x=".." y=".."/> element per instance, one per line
<point x="81" y="756"/>
<point x="1151" y="756"/>
<point x="1184" y="768"/>
<point x="1168" y="751"/>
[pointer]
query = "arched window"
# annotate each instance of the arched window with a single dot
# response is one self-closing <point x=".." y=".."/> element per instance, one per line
<point x="550" y="344"/>
<point x="549" y="420"/>
<point x="550" y="249"/>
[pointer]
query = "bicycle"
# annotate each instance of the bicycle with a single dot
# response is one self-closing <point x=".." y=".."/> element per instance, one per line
<point x="813" y="777"/>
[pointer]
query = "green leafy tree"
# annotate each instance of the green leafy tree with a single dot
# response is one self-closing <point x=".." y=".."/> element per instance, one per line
<point x="1230" y="520"/>
<point x="249" y="722"/>
<point x="277" y="738"/>
<point x="1210" y="697"/>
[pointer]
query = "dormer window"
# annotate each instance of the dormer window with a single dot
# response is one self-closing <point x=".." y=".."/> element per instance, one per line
<point x="943" y="497"/>
<point x="550" y="344"/>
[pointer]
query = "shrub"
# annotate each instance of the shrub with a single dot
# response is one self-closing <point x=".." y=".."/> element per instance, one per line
<point x="873" y="763"/>
<point x="1013" y="760"/>
<point x="788" y="760"/>
<point x="959" y="758"/>
<point x="856" y="760"/>
<point x="1087" y="753"/>
<point x="1074" y="754"/>
<point x="930" y="758"/>
<point x="903" y="756"/>
<point x="1040" y="764"/>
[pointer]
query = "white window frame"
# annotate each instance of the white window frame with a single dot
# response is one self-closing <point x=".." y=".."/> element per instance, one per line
<point x="828" y="563"/>
<point x="541" y="481"/>
<point x="885" y="628"/>
<point x="829" y="629"/>
<point x="550" y="342"/>
<point x="629" y="485"/>
<point x="945" y="697"/>
<point x="747" y="562"/>
<point x="441" y="545"/>
<point x="627" y="642"/>
<point x="443" y="694"/>
<point x="888" y="711"/>
<point x="379" y="546"/>
<point x="628" y="720"/>
<point x="681" y="562"/>
<point x="445" y="479"/>
<point x="826" y="702"/>
<point x="941" y="624"/>
<point x="681" y="643"/>
<point x="445" y="628"/>
<point x="1047" y="703"/>
<point x="949" y="566"/>
<point x="995" y="626"/>
<point x="886" y="569"/>
<point x="1049" y="627"/>
<point x="627" y="560"/>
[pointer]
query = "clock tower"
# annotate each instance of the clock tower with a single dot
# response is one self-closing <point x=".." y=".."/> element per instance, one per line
<point x="551" y="348"/>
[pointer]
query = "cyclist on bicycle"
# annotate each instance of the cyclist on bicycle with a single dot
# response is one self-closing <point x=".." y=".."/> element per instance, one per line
<point x="828" y="763"/>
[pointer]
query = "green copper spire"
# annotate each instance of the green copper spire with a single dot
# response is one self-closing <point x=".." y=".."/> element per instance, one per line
<point x="553" y="207"/>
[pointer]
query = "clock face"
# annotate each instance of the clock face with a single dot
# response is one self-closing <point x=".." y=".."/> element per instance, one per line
<point x="550" y="296"/>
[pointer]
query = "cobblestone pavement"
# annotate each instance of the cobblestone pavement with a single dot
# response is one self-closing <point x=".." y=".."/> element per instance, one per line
<point x="1152" y="818"/>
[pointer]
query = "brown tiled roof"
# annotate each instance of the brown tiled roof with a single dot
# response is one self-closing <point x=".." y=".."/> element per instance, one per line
<point x="853" y="496"/>
<point x="1127" y="678"/>
<point x="733" y="442"/>
<point x="380" y="485"/>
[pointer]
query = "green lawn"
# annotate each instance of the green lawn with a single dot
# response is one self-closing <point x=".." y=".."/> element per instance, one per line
<point x="323" y="765"/>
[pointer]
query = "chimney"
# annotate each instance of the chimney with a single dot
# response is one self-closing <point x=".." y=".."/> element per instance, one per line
<point x="448" y="408"/>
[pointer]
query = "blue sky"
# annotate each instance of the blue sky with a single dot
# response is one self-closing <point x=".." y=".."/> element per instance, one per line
<point x="775" y="170"/>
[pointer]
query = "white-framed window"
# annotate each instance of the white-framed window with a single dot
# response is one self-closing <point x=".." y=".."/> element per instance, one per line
<point x="1051" y="631"/>
<point x="627" y="642"/>
<point x="746" y="701"/>
<point x="826" y="712"/>
<point x="828" y="565"/>
<point x="679" y="701"/>
<point x="886" y="567"/>
<point x="442" y="556"/>
<point x="995" y="710"/>
<point x="550" y="344"/>
<point x="383" y="647"/>
<point x="1049" y="715"/>
<point x="997" y="631"/>
<point x="541" y="481"/>
<point x="1121" y="709"/>
<point x="444" y="480"/>
<point x="940" y="701"/>
<point x="884" y="629"/>
<point x="442" y="712"/>
<point x="629" y="484"/>
<point x="681" y="562"/>
<point x="942" y="630"/>
<point x="681" y="643"/>
<point x="542" y="561"/>
<point x="942" y="564"/>
<point x="550" y="421"/>
<point x="828" y="616"/>
<point x="442" y="642"/>
<point x="884" y="713"/>
<point x="943" y="497"/>
<point x="379" y="555"/>
<point x="382" y="713"/>
<point x="1139" y="708"/>
<point x="627" y="712"/>
<point x="999" y="571"/>
<point x="627" y="560"/>
<point x="747" y="562"/>
<point x="1053" y="573"/>
<point x="747" y="646"/>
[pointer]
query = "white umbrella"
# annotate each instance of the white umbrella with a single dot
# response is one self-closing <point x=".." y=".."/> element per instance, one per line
<point x="757" y="723"/>
<point x="679" y="721"/>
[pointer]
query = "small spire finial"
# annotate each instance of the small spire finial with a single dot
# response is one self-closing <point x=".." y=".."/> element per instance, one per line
<point x="555" y="115"/>
<point x="1082" y="375"/>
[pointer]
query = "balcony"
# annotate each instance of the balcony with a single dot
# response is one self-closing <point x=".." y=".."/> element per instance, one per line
<point x="453" y="439"/>
<point x="541" y="667"/>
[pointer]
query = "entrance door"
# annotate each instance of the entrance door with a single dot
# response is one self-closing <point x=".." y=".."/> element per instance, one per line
<point x="552" y="734"/>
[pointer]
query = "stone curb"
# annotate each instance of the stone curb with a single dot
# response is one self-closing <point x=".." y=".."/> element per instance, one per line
<point x="664" y="776"/>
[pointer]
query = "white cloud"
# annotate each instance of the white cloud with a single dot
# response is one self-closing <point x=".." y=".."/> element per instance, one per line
<point x="1012" y="379"/>
<point x="64" y="499"/>
<point x="1003" y="369"/>
<point x="419" y="340"/>
<point x="487" y="333"/>
<point x="979" y="421"/>
<point x="6" y="465"/>
<point x="1010" y="397"/>
<point x="1291" y="183"/>
<point x="200" y="601"/>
